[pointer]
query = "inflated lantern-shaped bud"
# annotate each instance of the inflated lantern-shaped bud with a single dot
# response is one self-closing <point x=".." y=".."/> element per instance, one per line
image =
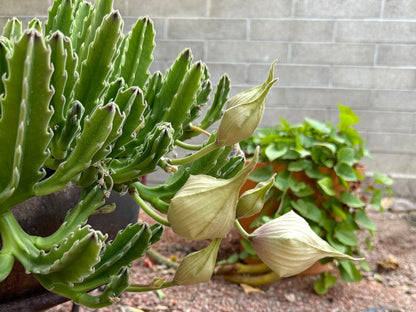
<point x="251" y="202"/>
<point x="289" y="246"/>
<point x="198" y="267"/>
<point x="243" y="113"/>
<point x="205" y="207"/>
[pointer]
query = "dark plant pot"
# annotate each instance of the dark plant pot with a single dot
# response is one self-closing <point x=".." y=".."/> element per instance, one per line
<point x="42" y="216"/>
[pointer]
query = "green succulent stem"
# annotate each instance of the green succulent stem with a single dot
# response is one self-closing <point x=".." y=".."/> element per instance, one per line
<point x="241" y="230"/>
<point x="16" y="240"/>
<point x="148" y="210"/>
<point x="188" y="159"/>
<point x="256" y="280"/>
<point x="153" y="254"/>
<point x="192" y="147"/>
<point x="149" y="287"/>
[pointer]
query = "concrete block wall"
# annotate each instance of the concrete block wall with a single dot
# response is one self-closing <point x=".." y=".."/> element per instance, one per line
<point x="358" y="53"/>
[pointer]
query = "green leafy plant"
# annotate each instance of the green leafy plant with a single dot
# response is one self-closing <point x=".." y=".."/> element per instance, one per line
<point x="318" y="175"/>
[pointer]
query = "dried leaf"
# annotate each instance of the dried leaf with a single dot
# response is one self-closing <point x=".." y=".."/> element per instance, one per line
<point x="250" y="289"/>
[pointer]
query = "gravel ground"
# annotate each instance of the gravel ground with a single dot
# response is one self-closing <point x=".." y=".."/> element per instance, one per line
<point x="380" y="290"/>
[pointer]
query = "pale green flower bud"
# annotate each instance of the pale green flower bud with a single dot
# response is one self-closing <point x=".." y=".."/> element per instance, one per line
<point x="205" y="207"/>
<point x="289" y="246"/>
<point x="243" y="113"/>
<point x="198" y="267"/>
<point x="252" y="201"/>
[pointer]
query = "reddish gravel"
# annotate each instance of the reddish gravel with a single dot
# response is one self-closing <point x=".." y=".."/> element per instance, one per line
<point x="393" y="290"/>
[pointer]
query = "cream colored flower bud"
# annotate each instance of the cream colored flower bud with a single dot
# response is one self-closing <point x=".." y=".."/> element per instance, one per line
<point x="252" y="201"/>
<point x="205" y="207"/>
<point x="243" y="113"/>
<point x="198" y="267"/>
<point x="289" y="246"/>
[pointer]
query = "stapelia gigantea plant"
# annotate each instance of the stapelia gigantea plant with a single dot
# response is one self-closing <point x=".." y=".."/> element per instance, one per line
<point x="79" y="106"/>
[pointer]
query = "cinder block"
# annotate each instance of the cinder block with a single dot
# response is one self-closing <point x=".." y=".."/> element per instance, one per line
<point x="318" y="98"/>
<point x="292" y="75"/>
<point x="374" y="78"/>
<point x="168" y="50"/>
<point x="32" y="8"/>
<point x="391" y="163"/>
<point x="379" y="121"/>
<point x="396" y="55"/>
<point x="404" y="187"/>
<point x="236" y="72"/>
<point x="161" y="66"/>
<point x="393" y="100"/>
<point x="272" y="114"/>
<point x="338" y="8"/>
<point x="405" y="9"/>
<point x="247" y="51"/>
<point x="376" y="31"/>
<point x="166" y="8"/>
<point x="208" y="29"/>
<point x="402" y="143"/>
<point x="291" y="30"/>
<point x="159" y="25"/>
<point x="248" y="9"/>
<point x="332" y="53"/>
<point x="414" y="122"/>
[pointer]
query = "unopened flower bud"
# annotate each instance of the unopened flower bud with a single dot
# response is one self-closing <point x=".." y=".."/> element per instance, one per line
<point x="243" y="113"/>
<point x="205" y="207"/>
<point x="198" y="267"/>
<point x="252" y="201"/>
<point x="289" y="246"/>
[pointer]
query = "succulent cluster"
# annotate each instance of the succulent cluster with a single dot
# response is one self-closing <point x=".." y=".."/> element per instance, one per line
<point x="79" y="106"/>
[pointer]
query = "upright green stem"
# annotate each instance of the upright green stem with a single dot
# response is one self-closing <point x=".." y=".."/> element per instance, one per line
<point x="241" y="230"/>
<point x="205" y="150"/>
<point x="149" y="210"/>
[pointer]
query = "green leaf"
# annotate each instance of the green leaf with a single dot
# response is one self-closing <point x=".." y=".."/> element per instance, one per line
<point x="364" y="264"/>
<point x="322" y="285"/>
<point x="351" y="200"/>
<point x="304" y="191"/>
<point x="338" y="212"/>
<point x="383" y="179"/>
<point x="282" y="180"/>
<point x="334" y="242"/>
<point x="314" y="173"/>
<point x="328" y="146"/>
<point x="299" y="165"/>
<point x="326" y="185"/>
<point x="273" y="153"/>
<point x="308" y="210"/>
<point x="348" y="271"/>
<point x="363" y="219"/>
<point x="320" y="127"/>
<point x="376" y="199"/>
<point x="347" y="117"/>
<point x="345" y="235"/>
<point x="346" y="155"/>
<point x="345" y="171"/>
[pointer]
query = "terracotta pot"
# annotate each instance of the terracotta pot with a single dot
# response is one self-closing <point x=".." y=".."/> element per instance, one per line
<point x="42" y="216"/>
